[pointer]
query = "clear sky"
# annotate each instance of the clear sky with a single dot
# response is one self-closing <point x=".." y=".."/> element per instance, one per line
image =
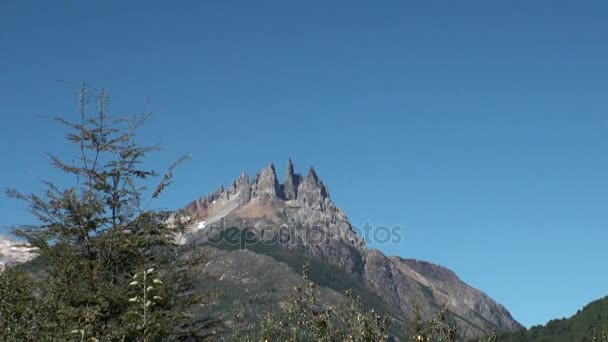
<point x="479" y="126"/>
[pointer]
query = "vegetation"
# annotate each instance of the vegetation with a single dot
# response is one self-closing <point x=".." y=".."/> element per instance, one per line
<point x="434" y="330"/>
<point x="589" y="324"/>
<point x="305" y="319"/>
<point x="94" y="239"/>
<point x="320" y="272"/>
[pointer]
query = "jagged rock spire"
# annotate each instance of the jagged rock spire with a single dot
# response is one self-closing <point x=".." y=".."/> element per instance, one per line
<point x="313" y="174"/>
<point x="292" y="180"/>
<point x="290" y="167"/>
<point x="308" y="191"/>
<point x="312" y="191"/>
<point x="240" y="189"/>
<point x="266" y="184"/>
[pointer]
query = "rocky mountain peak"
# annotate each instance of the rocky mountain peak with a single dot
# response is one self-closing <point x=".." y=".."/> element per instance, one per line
<point x="290" y="169"/>
<point x="239" y="191"/>
<point x="291" y="182"/>
<point x="319" y="228"/>
<point x="312" y="174"/>
<point x="296" y="191"/>
<point x="301" y="202"/>
<point x="312" y="192"/>
<point x="308" y="191"/>
<point x="266" y="184"/>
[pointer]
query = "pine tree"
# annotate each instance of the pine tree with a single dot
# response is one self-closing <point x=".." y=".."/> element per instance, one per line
<point x="94" y="236"/>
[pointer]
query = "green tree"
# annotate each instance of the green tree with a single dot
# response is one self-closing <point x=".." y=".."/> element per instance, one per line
<point x="600" y="335"/>
<point x="18" y="317"/>
<point x="94" y="236"/>
<point x="434" y="330"/>
<point x="305" y="319"/>
<point x="438" y="329"/>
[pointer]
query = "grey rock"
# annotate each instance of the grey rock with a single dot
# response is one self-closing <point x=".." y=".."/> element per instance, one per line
<point x="266" y="184"/>
<point x="405" y="282"/>
<point x="291" y="182"/>
<point x="300" y="214"/>
<point x="312" y="192"/>
<point x="240" y="190"/>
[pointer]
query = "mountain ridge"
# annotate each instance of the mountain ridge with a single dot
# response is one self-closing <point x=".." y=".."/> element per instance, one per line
<point x="287" y="223"/>
<point x="299" y="213"/>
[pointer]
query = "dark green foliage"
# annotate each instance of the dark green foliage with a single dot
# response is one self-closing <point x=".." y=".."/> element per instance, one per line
<point x="588" y="324"/>
<point x="305" y="319"/>
<point x="18" y="315"/>
<point x="92" y="239"/>
<point x="435" y="330"/>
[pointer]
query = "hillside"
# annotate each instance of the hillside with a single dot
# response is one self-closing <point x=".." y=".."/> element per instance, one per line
<point x="579" y="327"/>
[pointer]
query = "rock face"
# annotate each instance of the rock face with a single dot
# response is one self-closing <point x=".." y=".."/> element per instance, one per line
<point x="240" y="190"/>
<point x="295" y="214"/>
<point x="406" y="281"/>
<point x="12" y="253"/>
<point x="266" y="185"/>
<point x="299" y="214"/>
<point x="292" y="182"/>
<point x="312" y="192"/>
<point x="446" y="286"/>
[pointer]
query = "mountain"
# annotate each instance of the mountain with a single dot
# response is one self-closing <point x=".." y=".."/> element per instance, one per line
<point x="258" y="232"/>
<point x="261" y="230"/>
<point x="12" y="252"/>
<point x="579" y="327"/>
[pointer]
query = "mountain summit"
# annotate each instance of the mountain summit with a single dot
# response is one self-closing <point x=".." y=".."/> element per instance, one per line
<point x="298" y="216"/>
<point x="297" y="213"/>
<point x="307" y="189"/>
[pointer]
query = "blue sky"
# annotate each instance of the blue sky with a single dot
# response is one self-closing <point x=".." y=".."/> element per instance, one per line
<point x="481" y="127"/>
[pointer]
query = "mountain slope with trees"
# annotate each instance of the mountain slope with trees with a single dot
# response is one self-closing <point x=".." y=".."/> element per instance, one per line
<point x="588" y="324"/>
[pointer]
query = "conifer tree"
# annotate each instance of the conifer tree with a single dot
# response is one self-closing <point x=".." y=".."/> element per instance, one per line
<point x="94" y="236"/>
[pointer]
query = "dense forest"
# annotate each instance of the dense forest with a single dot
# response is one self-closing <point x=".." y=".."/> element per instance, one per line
<point x="588" y="324"/>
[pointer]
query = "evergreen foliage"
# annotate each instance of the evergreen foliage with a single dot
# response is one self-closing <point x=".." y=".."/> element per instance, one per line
<point x="93" y="238"/>
<point x="587" y="325"/>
